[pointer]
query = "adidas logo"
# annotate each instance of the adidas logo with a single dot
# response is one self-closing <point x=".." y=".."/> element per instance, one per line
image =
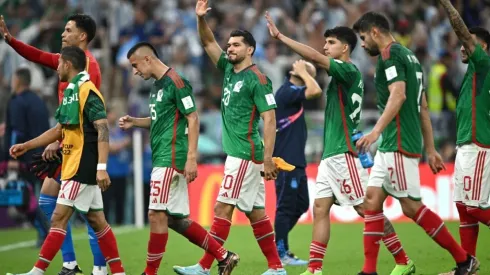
<point x="351" y="198"/>
<point x="224" y="195"/>
<point x="154" y="200"/>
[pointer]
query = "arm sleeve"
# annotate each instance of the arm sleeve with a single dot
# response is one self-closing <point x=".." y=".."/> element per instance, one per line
<point x="94" y="107"/>
<point x="184" y="99"/>
<point x="34" y="54"/>
<point x="222" y="62"/>
<point x="263" y="96"/>
<point x="340" y="71"/>
<point x="292" y="95"/>
<point x="394" y="68"/>
<point x="480" y="58"/>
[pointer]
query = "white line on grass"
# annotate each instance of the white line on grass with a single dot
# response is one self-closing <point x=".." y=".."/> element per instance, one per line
<point x="76" y="237"/>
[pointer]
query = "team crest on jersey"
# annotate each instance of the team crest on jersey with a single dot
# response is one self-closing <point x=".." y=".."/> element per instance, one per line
<point x="238" y="86"/>
<point x="160" y="95"/>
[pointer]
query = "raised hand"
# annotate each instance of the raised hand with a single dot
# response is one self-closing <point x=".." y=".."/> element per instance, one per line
<point x="274" y="32"/>
<point x="4" y="30"/>
<point x="299" y="68"/>
<point x="202" y="8"/>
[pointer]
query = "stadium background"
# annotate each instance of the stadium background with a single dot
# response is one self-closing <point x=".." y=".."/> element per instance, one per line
<point x="171" y="26"/>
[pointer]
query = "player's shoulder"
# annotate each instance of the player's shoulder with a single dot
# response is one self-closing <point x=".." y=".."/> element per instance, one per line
<point x="394" y="50"/>
<point x="176" y="80"/>
<point x="254" y="73"/>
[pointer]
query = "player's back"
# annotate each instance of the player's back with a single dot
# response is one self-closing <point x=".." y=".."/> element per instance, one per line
<point x="403" y="133"/>
<point x="343" y="109"/>
<point x="93" y="70"/>
<point x="473" y="104"/>
<point x="246" y="94"/>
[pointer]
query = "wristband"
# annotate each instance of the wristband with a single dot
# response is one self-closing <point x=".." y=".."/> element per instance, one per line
<point x="101" y="167"/>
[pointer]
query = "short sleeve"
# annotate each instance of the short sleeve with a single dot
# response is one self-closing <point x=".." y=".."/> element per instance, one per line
<point x="394" y="69"/>
<point x="291" y="94"/>
<point x="184" y="99"/>
<point x="222" y="62"/>
<point x="263" y="96"/>
<point x="479" y="56"/>
<point x="340" y="70"/>
<point x="94" y="107"/>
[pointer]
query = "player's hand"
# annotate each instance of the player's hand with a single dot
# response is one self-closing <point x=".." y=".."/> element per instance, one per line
<point x="435" y="162"/>
<point x="4" y="30"/>
<point x="365" y="142"/>
<point x="202" y="8"/>
<point x="103" y="180"/>
<point x="126" y="122"/>
<point x="51" y="151"/>
<point x="18" y="150"/>
<point x="270" y="170"/>
<point x="190" y="170"/>
<point x="274" y="32"/>
<point x="299" y="68"/>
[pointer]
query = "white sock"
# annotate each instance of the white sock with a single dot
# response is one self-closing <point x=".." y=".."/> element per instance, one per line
<point x="70" y="265"/>
<point x="99" y="270"/>
<point x="37" y="271"/>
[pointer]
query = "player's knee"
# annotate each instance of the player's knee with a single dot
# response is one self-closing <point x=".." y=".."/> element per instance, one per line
<point x="157" y="217"/>
<point x="179" y="225"/>
<point x="320" y="209"/>
<point x="373" y="201"/>
<point x="410" y="207"/>
<point x="256" y="214"/>
<point x="223" y="210"/>
<point x="59" y="219"/>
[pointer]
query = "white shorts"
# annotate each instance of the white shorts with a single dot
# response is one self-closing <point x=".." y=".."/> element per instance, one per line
<point x="342" y="177"/>
<point x="242" y="185"/>
<point x="472" y="175"/>
<point x="397" y="174"/>
<point x="83" y="197"/>
<point x="169" y="192"/>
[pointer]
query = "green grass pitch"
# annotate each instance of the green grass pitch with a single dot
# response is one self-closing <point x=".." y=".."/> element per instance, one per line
<point x="344" y="253"/>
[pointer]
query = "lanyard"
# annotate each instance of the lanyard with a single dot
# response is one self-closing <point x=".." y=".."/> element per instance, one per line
<point x="285" y="122"/>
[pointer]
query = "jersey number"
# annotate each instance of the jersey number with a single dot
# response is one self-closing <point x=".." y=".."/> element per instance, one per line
<point x="421" y="88"/>
<point x="356" y="98"/>
<point x="153" y="112"/>
<point x="226" y="96"/>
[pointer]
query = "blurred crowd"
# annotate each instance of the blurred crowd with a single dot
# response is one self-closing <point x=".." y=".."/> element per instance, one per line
<point x="171" y="26"/>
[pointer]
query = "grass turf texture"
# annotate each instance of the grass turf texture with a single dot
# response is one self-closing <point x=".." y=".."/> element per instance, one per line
<point x="344" y="253"/>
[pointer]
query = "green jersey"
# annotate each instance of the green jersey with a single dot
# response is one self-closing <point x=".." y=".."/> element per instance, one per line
<point x="473" y="105"/>
<point x="171" y="100"/>
<point x="343" y="110"/>
<point x="403" y="133"/>
<point x="246" y="94"/>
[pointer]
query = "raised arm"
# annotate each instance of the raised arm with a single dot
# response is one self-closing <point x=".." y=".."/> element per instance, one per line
<point x="312" y="88"/>
<point x="29" y="52"/>
<point x="305" y="51"/>
<point x="46" y="138"/>
<point x="205" y="33"/>
<point x="128" y="122"/>
<point x="459" y="27"/>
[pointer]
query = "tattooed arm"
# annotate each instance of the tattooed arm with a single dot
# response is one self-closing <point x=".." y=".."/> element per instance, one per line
<point x="102" y="128"/>
<point x="459" y="27"/>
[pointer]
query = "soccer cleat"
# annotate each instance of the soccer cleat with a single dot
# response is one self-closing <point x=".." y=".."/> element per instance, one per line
<point x="407" y="269"/>
<point x="362" y="273"/>
<point x="469" y="267"/>
<point x="74" y="271"/>
<point x="32" y="272"/>
<point x="291" y="259"/>
<point x="190" y="270"/>
<point x="279" y="271"/>
<point x="226" y="266"/>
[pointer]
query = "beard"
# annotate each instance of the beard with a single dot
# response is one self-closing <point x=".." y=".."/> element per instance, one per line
<point x="238" y="59"/>
<point x="372" y="51"/>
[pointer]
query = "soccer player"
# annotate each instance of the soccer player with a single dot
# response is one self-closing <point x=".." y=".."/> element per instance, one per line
<point x="341" y="178"/>
<point x="247" y="94"/>
<point x="82" y="126"/>
<point x="403" y="123"/>
<point x="472" y="169"/>
<point x="174" y="131"/>
<point x="292" y="187"/>
<point x="79" y="31"/>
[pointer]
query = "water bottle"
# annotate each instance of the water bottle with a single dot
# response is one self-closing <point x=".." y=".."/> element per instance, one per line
<point x="365" y="158"/>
